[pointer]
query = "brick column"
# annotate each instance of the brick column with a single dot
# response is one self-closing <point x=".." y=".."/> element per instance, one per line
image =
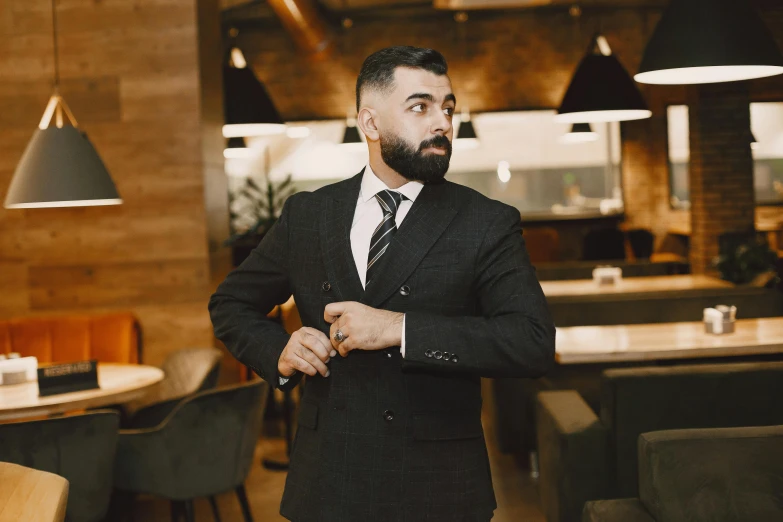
<point x="721" y="168"/>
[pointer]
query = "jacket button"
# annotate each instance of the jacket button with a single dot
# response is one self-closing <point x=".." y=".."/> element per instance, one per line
<point x="438" y="354"/>
<point x="388" y="415"/>
<point x="446" y="356"/>
<point x="405" y="290"/>
<point x="428" y="353"/>
<point x="454" y="359"/>
<point x="326" y="286"/>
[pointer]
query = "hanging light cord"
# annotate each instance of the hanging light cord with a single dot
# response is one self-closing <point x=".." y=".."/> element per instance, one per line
<point x="56" y="50"/>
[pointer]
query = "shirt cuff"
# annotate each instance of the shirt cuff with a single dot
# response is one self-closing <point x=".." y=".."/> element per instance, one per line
<point x="402" y="342"/>
<point x="283" y="380"/>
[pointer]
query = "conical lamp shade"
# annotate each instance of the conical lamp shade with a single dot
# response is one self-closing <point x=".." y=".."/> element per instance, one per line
<point x="466" y="131"/>
<point x="249" y="110"/>
<point x="600" y="91"/>
<point x="60" y="168"/>
<point x="580" y="133"/>
<point x="237" y="148"/>
<point x="709" y="41"/>
<point x="466" y="136"/>
<point x="351" y="135"/>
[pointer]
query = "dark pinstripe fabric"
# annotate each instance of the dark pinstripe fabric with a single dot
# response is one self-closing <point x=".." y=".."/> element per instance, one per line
<point x="385" y="438"/>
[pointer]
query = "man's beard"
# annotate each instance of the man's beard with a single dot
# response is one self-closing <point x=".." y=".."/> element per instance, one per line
<point x="413" y="164"/>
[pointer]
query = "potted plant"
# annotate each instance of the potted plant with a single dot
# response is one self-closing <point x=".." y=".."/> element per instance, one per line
<point x="254" y="208"/>
<point x="746" y="258"/>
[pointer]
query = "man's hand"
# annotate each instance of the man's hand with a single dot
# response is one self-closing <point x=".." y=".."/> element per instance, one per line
<point x="308" y="350"/>
<point x="364" y="328"/>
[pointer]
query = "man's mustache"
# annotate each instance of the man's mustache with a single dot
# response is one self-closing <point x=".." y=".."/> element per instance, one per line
<point x="438" y="141"/>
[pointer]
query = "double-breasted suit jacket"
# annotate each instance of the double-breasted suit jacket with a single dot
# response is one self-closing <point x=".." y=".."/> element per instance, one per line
<point x="387" y="438"/>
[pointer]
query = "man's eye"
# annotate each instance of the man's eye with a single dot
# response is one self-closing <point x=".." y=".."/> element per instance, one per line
<point x="419" y="107"/>
<point x="449" y="111"/>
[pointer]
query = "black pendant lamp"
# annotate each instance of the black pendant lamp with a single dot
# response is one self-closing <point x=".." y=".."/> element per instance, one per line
<point x="248" y="108"/>
<point x="352" y="139"/>
<point x="601" y="90"/>
<point x="580" y="133"/>
<point x="351" y="135"/>
<point x="237" y="148"/>
<point x="60" y="167"/>
<point x="709" y="41"/>
<point x="466" y="134"/>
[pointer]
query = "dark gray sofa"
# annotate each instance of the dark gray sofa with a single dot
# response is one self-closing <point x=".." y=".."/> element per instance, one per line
<point x="583" y="457"/>
<point x="703" y="475"/>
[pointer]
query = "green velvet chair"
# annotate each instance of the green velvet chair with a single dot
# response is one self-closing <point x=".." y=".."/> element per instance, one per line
<point x="583" y="457"/>
<point x="703" y="475"/>
<point x="79" y="448"/>
<point x="187" y="371"/>
<point x="203" y="448"/>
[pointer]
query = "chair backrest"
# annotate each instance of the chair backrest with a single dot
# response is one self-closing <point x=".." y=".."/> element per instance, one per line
<point x="107" y="338"/>
<point x="706" y="475"/>
<point x="30" y="494"/>
<point x="640" y="400"/>
<point x="79" y="448"/>
<point x="604" y="244"/>
<point x="188" y="371"/>
<point x="543" y="244"/>
<point x="212" y="437"/>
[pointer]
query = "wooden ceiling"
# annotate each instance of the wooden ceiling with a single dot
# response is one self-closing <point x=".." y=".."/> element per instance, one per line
<point x="239" y="11"/>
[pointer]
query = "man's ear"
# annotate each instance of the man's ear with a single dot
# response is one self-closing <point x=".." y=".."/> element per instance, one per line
<point x="367" y="120"/>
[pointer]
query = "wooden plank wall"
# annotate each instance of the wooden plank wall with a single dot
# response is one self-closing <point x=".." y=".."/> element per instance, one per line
<point x="130" y="72"/>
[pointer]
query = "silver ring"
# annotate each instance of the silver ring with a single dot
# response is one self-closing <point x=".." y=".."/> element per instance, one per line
<point x="339" y="336"/>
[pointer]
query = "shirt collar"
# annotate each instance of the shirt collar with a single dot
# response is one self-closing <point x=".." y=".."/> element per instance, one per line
<point x="371" y="185"/>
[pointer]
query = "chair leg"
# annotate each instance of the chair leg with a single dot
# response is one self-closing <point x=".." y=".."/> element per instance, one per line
<point x="215" y="512"/>
<point x="176" y="510"/>
<point x="190" y="512"/>
<point x="242" y="496"/>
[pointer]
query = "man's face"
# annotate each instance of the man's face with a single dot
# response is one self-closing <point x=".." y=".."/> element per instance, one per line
<point x="415" y="131"/>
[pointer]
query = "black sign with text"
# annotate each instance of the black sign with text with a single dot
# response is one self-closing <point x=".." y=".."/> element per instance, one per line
<point x="67" y="377"/>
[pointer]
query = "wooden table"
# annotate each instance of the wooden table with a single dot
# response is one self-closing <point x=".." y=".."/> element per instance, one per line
<point x="632" y="285"/>
<point x="646" y="342"/>
<point x="118" y="383"/>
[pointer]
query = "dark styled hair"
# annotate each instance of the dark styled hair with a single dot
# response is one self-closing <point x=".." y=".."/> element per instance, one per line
<point x="378" y="68"/>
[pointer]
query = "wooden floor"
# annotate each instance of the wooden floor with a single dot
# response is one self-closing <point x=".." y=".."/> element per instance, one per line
<point x="516" y="492"/>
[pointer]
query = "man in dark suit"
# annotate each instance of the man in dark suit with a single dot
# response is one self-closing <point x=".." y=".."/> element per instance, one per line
<point x="410" y="288"/>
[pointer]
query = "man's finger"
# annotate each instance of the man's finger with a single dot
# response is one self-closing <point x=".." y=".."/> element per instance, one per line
<point x="300" y="364"/>
<point x="334" y="310"/>
<point x="317" y="344"/>
<point x="323" y="338"/>
<point x="311" y="358"/>
<point x="332" y="331"/>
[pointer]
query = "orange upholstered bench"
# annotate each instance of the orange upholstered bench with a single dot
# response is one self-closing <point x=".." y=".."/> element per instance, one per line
<point x="106" y="337"/>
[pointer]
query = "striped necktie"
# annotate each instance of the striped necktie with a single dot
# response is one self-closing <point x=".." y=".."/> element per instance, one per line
<point x="389" y="202"/>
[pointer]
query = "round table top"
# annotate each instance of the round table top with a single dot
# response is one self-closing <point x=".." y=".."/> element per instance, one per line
<point x="118" y="383"/>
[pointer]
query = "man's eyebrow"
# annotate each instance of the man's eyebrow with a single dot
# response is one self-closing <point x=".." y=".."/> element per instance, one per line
<point x="429" y="97"/>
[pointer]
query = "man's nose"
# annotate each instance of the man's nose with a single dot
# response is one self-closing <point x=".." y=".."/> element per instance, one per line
<point x="442" y="124"/>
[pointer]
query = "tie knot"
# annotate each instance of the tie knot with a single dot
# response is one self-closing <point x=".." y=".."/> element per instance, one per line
<point x="389" y="201"/>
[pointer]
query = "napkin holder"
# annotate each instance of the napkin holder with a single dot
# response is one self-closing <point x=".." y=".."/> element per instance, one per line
<point x="607" y="275"/>
<point x="719" y="320"/>
<point x="18" y="370"/>
<point x="68" y="377"/>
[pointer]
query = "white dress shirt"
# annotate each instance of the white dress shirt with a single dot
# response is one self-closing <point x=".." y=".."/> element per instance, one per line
<point x="367" y="216"/>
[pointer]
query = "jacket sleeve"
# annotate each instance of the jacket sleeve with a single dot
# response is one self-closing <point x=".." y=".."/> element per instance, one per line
<point x="513" y="337"/>
<point x="241" y="303"/>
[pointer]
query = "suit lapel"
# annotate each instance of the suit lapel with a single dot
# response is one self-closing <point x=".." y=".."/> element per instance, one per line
<point x="335" y="234"/>
<point x="425" y="223"/>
